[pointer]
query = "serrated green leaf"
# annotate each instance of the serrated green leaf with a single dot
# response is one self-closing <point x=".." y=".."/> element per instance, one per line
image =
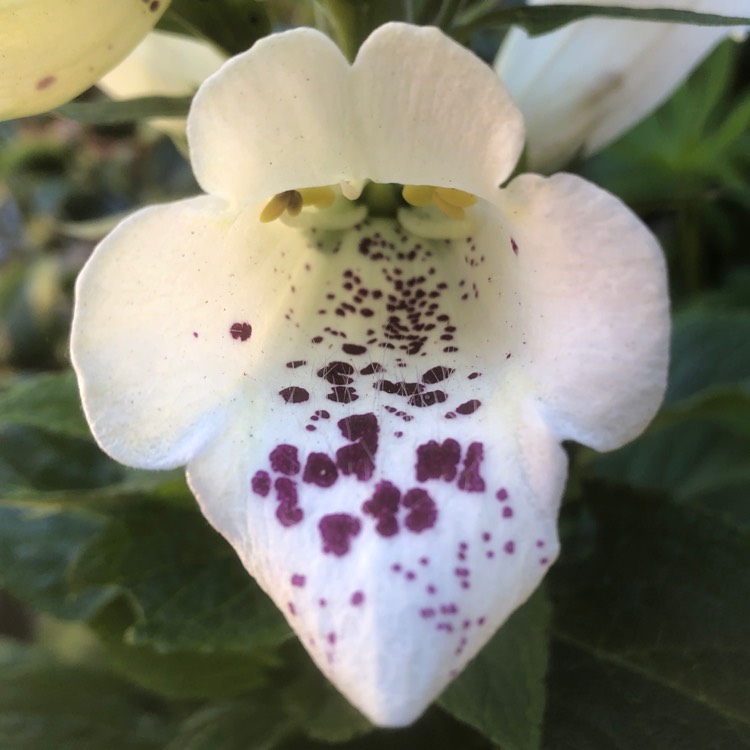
<point x="541" y="19"/>
<point x="188" y="589"/>
<point x="657" y="599"/>
<point x="46" y="705"/>
<point x="109" y="112"/>
<point x="49" y="401"/>
<point x="501" y="693"/>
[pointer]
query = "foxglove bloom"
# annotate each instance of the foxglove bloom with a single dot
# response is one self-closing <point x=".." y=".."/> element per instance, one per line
<point x="584" y="85"/>
<point x="52" y="50"/>
<point x="371" y="409"/>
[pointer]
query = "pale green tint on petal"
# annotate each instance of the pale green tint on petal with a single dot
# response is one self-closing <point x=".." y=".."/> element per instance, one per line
<point x="151" y="342"/>
<point x="582" y="86"/>
<point x="163" y="64"/>
<point x="597" y="334"/>
<point x="275" y="118"/>
<point x="433" y="113"/>
<point x="52" y="50"/>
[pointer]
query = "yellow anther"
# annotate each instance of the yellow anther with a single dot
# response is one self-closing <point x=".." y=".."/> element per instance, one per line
<point x="418" y="195"/>
<point x="292" y="201"/>
<point x="450" y="201"/>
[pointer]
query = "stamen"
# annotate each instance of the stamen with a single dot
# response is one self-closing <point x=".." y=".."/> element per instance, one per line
<point x="450" y="201"/>
<point x="292" y="201"/>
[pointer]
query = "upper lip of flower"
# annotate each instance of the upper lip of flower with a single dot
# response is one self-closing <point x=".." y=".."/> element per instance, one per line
<point x="371" y="418"/>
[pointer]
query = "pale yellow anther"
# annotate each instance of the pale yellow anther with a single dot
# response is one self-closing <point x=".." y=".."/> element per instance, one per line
<point x="450" y="201"/>
<point x="292" y="201"/>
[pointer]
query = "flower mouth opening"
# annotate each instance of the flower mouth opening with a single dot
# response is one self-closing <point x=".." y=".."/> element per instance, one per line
<point x="433" y="212"/>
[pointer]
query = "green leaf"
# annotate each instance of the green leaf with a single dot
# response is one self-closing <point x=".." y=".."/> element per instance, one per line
<point x="188" y="590"/>
<point x="248" y="724"/>
<point x="652" y="603"/>
<point x="541" y="19"/>
<point x="232" y="25"/>
<point x="49" y="401"/>
<point x="46" y="705"/>
<point x="501" y="693"/>
<point x="38" y="544"/>
<point x="109" y="112"/>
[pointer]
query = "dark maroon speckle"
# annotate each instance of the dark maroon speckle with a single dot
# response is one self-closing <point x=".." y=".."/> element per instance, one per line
<point x="353" y="349"/>
<point x="284" y="459"/>
<point x="320" y="470"/>
<point x="423" y="511"/>
<point x="470" y="479"/>
<point x="362" y="427"/>
<point x="371" y="369"/>
<point x="514" y="246"/>
<point x="337" y="373"/>
<point x="469" y="407"/>
<point x="383" y="506"/>
<point x="261" y="483"/>
<point x="296" y="363"/>
<point x="436" y="374"/>
<point x="45" y="82"/>
<point x="241" y="331"/>
<point x="342" y="394"/>
<point x="294" y="395"/>
<point x="510" y="547"/>
<point x="355" y="459"/>
<point x="337" y="531"/>
<point x="430" y="398"/>
<point x="436" y="461"/>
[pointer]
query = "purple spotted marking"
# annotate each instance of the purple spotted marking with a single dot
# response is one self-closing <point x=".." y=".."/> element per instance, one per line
<point x="353" y="349"/>
<point x="320" y="470"/>
<point x="449" y="609"/>
<point x="357" y="598"/>
<point x="294" y="395"/>
<point x="296" y="363"/>
<point x="371" y="369"/>
<point x="507" y="512"/>
<point x="430" y="398"/>
<point x="322" y="603"/>
<point x="410" y="575"/>
<point x="241" y="331"/>
<point x="544" y="561"/>
<point x="383" y="506"/>
<point x="423" y="511"/>
<point x="436" y="374"/>
<point x="514" y="246"/>
<point x="337" y="373"/>
<point x="468" y="407"/>
<point x="502" y="494"/>
<point x="510" y="547"/>
<point x="261" y="483"/>
<point x="298" y="580"/>
<point x="461" y="572"/>
<point x="284" y="459"/>
<point x="427" y="613"/>
<point x="195" y="334"/>
<point x="486" y="536"/>
<point x="431" y="589"/>
<point x="288" y="513"/>
<point x="436" y="461"/>
<point x="470" y="479"/>
<point x="331" y="638"/>
<point x="46" y="82"/>
<point x="424" y="561"/>
<point x="337" y="531"/>
<point x="342" y="394"/>
<point x="292" y="608"/>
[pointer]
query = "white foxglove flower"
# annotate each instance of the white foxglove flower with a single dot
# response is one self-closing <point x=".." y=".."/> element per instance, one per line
<point x="371" y="409"/>
<point x="163" y="64"/>
<point x="584" y="85"/>
<point x="52" y="50"/>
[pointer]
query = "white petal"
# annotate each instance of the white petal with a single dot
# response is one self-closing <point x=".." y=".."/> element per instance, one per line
<point x="387" y="476"/>
<point x="582" y="86"/>
<point x="158" y="361"/>
<point x="433" y="113"/>
<point x="52" y="50"/>
<point x="596" y="308"/>
<point x="274" y="118"/>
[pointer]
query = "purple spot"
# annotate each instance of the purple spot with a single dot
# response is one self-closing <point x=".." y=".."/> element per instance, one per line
<point x="424" y="561"/>
<point x="396" y="567"/>
<point x="507" y="512"/>
<point x="298" y="580"/>
<point x="486" y="536"/>
<point x="331" y="638"/>
<point x="383" y="506"/>
<point x="470" y="480"/>
<point x="284" y="459"/>
<point x="465" y="584"/>
<point x="410" y="575"/>
<point x="337" y="373"/>
<point x="423" y="511"/>
<point x="363" y="427"/>
<point x="261" y="483"/>
<point x="502" y="494"/>
<point x="371" y="369"/>
<point x="289" y="515"/>
<point x="514" y="246"/>
<point x="195" y="334"/>
<point x="322" y="603"/>
<point x="45" y="82"/>
<point x="355" y="459"/>
<point x="461" y="572"/>
<point x="539" y="543"/>
<point x="241" y="331"/>
<point x="436" y="374"/>
<point x="435" y="461"/>
<point x="342" y="394"/>
<point x="427" y="612"/>
<point x="292" y="609"/>
<point x="510" y="547"/>
<point x="427" y="399"/>
<point x="294" y="395"/>
<point x="337" y="531"/>
<point x="357" y="598"/>
<point x="288" y="512"/>
<point x="296" y="363"/>
<point x="469" y="407"/>
<point x="474" y="375"/>
<point x="353" y="349"/>
<point x="320" y="470"/>
<point x="490" y="555"/>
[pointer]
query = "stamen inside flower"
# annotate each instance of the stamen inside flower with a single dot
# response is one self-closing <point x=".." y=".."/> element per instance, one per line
<point x="450" y="201"/>
<point x="293" y="201"/>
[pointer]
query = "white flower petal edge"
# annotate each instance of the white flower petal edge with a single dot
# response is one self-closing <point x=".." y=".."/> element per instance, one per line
<point x="52" y="50"/>
<point x="372" y="418"/>
<point x="582" y="86"/>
